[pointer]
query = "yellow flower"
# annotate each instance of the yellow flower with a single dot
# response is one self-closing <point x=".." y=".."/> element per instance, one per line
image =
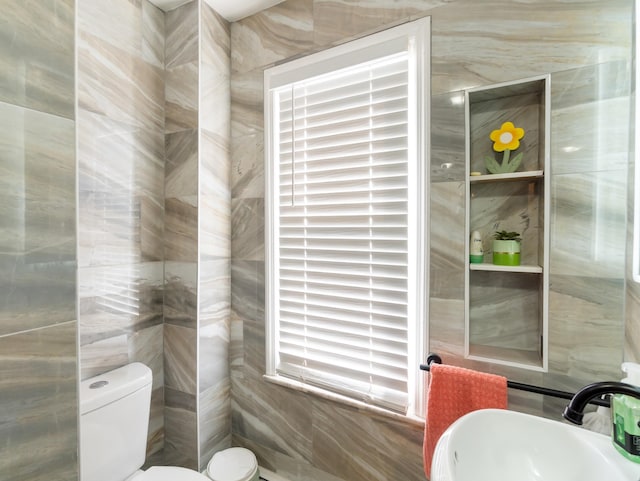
<point x="507" y="137"/>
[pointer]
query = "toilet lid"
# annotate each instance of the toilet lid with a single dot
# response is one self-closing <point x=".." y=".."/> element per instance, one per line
<point x="170" y="473"/>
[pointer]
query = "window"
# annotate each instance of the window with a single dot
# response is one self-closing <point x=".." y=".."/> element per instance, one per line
<point x="345" y="134"/>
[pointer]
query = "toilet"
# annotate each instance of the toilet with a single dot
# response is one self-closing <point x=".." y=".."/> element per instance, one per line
<point x="114" y="418"/>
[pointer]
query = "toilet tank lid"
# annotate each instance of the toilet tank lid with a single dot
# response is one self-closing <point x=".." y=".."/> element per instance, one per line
<point x="110" y="386"/>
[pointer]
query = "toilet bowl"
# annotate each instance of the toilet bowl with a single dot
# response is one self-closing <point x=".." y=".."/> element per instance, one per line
<point x="114" y="418"/>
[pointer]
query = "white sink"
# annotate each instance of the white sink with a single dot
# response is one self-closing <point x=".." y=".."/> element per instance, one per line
<point x="501" y="445"/>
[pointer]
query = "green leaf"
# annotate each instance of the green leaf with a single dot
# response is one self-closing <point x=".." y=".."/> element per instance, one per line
<point x="513" y="164"/>
<point x="492" y="165"/>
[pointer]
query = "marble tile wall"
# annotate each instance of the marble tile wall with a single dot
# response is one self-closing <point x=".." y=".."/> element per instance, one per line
<point x="38" y="327"/>
<point x="181" y="235"/>
<point x="632" y="292"/>
<point x="590" y="159"/>
<point x="120" y="109"/>
<point x="197" y="235"/>
<point x="586" y="48"/>
<point x="214" y="236"/>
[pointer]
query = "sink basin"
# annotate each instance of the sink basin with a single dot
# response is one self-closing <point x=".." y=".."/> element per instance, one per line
<point x="501" y="445"/>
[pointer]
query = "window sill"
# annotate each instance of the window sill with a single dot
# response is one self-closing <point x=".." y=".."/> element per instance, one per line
<point x="361" y="406"/>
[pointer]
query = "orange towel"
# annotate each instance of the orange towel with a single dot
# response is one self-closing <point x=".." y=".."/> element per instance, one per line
<point x="453" y="392"/>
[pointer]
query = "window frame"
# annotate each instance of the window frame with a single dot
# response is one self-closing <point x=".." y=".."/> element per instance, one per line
<point x="415" y="34"/>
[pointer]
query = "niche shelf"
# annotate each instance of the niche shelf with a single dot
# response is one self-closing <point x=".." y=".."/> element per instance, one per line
<point x="506" y="307"/>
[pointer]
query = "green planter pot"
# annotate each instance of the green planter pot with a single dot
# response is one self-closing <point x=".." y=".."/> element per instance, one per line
<point x="506" y="253"/>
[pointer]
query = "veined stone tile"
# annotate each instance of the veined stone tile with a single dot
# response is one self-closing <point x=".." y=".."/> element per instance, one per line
<point x="247" y="229"/>
<point x="254" y="335"/>
<point x="180" y="347"/>
<point x="215" y="39"/>
<point x="585" y="322"/>
<point x="247" y="289"/>
<point x="215" y="100"/>
<point x="213" y="342"/>
<point x="181" y="97"/>
<point x="215" y="228"/>
<point x="115" y="156"/>
<point x="275" y="34"/>
<point x="181" y="35"/>
<point x="181" y="429"/>
<point x="37" y="58"/>
<point x="180" y="294"/>
<point x="215" y="291"/>
<point x="181" y="229"/>
<point x="37" y="185"/>
<point x="559" y="36"/>
<point x="103" y="355"/>
<point x="247" y="103"/>
<point x="102" y="295"/>
<point x="587" y="137"/>
<point x="104" y="153"/>
<point x="495" y="297"/>
<point x="129" y="230"/>
<point x="114" y="300"/>
<point x="447" y="240"/>
<point x="151" y="228"/>
<point x="214" y="306"/>
<point x="118" y="85"/>
<point x="247" y="169"/>
<point x="155" y="436"/>
<point x="590" y="83"/>
<point x="236" y="346"/>
<point x="35" y="294"/>
<point x="335" y="427"/>
<point x="632" y="326"/>
<point x="215" y="164"/>
<point x="214" y="416"/>
<point x="181" y="170"/>
<point x="283" y="466"/>
<point x="146" y="346"/>
<point x="552" y="406"/>
<point x="117" y="22"/>
<point x="38" y="380"/>
<point x="588" y="229"/>
<point x="287" y="429"/>
<point x="446" y="327"/>
<point x="526" y="402"/>
<point x="110" y="229"/>
<point x="152" y="34"/>
<point x="336" y="20"/>
<point x="447" y="138"/>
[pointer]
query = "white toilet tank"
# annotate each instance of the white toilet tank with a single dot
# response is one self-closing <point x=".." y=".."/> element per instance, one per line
<point x="114" y="419"/>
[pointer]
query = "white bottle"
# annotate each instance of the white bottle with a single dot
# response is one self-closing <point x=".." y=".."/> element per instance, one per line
<point x="476" y="252"/>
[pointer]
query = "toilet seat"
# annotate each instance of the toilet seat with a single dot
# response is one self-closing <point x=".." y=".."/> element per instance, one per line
<point x="170" y="473"/>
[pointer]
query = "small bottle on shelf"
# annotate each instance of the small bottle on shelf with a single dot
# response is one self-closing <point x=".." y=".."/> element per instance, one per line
<point x="476" y="252"/>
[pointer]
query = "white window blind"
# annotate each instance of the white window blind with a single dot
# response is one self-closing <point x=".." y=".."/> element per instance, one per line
<point x="344" y="237"/>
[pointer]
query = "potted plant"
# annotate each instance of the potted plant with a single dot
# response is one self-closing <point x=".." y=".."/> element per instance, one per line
<point x="506" y="248"/>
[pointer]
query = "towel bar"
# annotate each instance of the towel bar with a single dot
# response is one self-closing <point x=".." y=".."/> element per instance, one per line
<point x="521" y="386"/>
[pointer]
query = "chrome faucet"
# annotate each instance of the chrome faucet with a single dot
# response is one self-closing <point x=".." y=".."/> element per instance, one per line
<point x="574" y="411"/>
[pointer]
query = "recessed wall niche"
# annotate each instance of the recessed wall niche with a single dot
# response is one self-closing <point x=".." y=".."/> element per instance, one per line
<point x="506" y="306"/>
